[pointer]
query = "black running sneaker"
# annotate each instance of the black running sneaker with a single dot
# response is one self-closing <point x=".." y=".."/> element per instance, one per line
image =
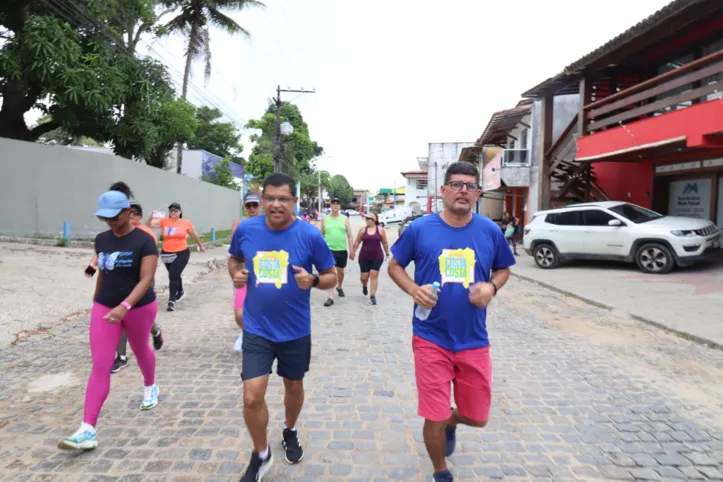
<point x="180" y="295"/>
<point x="328" y="302"/>
<point x="119" y="363"/>
<point x="158" y="339"/>
<point x="373" y="299"/>
<point x="171" y="306"/>
<point x="257" y="467"/>
<point x="292" y="447"/>
<point x="341" y="292"/>
<point x="365" y="291"/>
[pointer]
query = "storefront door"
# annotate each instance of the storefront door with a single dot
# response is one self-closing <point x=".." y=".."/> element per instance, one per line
<point x="691" y="198"/>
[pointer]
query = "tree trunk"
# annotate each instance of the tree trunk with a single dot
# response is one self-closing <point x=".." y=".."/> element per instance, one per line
<point x="184" y="91"/>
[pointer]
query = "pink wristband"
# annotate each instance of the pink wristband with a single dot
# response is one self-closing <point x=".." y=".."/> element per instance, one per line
<point x="126" y="304"/>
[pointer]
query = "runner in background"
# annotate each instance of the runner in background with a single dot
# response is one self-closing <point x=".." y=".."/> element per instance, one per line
<point x="337" y="232"/>
<point x="123" y="299"/>
<point x="252" y="203"/>
<point x="175" y="254"/>
<point x="371" y="257"/>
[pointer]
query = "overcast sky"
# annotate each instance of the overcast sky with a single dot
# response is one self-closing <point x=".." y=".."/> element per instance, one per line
<point x="392" y="76"/>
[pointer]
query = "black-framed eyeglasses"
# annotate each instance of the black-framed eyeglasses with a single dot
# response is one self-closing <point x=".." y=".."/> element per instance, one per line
<point x="280" y="199"/>
<point x="252" y="205"/>
<point x="458" y="185"/>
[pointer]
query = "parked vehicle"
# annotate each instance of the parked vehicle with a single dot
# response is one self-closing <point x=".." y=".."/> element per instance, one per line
<point x="619" y="231"/>
<point x="394" y="216"/>
<point x="352" y="212"/>
<point x="408" y="221"/>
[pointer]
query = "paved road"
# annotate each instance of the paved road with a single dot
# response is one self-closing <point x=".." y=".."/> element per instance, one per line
<point x="579" y="395"/>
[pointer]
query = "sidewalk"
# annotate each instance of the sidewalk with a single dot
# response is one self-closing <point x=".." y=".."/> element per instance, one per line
<point x="41" y="286"/>
<point x="687" y="301"/>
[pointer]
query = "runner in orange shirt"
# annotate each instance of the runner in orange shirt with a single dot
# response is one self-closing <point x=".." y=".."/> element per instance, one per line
<point x="175" y="254"/>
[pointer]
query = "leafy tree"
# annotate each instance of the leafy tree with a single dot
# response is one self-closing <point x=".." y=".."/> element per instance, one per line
<point x="340" y="187"/>
<point x="194" y="22"/>
<point x="61" y="137"/>
<point x="223" y="175"/>
<point x="220" y="138"/>
<point x="297" y="150"/>
<point x="74" y="66"/>
<point x="310" y="186"/>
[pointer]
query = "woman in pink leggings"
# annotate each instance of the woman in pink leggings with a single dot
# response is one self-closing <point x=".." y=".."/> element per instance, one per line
<point x="124" y="299"/>
<point x="252" y="203"/>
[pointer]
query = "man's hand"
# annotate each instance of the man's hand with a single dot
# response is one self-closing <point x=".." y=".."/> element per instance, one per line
<point x="425" y="296"/>
<point x="304" y="279"/>
<point x="116" y="314"/>
<point x="481" y="294"/>
<point x="240" y="278"/>
<point x="351" y="255"/>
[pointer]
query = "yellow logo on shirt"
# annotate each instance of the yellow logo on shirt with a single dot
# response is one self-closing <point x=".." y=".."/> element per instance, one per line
<point x="457" y="266"/>
<point x="271" y="267"/>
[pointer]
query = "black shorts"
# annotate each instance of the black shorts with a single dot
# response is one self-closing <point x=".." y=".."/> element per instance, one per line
<point x="366" y="265"/>
<point x="340" y="258"/>
<point x="258" y="355"/>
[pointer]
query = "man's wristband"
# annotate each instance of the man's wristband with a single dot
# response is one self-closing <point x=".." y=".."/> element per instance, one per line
<point x="316" y="281"/>
<point x="126" y="305"/>
<point x="495" y="287"/>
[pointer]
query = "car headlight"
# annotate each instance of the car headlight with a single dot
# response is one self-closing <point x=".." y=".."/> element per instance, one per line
<point x="684" y="234"/>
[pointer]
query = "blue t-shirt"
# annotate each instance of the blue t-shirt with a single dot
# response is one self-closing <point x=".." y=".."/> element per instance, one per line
<point x="275" y="307"/>
<point x="456" y="258"/>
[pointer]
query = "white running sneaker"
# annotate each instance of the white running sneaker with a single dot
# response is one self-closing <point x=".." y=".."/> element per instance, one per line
<point x="150" y="397"/>
<point x="239" y="342"/>
<point x="84" y="439"/>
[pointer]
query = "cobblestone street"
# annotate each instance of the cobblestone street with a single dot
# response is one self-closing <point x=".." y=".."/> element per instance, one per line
<point x="580" y="394"/>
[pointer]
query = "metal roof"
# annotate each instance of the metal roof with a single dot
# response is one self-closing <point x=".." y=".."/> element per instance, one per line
<point x="502" y="122"/>
<point x="641" y="30"/>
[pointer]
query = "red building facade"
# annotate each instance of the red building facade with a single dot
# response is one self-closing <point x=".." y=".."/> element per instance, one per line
<point x="650" y="126"/>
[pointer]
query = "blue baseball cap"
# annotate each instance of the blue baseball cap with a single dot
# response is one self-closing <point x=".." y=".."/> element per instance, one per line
<point x="111" y="203"/>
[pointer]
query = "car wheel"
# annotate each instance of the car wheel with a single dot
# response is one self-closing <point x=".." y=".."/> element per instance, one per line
<point x="654" y="258"/>
<point x="546" y="256"/>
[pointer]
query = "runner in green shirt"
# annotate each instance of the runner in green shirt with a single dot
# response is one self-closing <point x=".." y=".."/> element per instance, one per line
<point x="337" y="232"/>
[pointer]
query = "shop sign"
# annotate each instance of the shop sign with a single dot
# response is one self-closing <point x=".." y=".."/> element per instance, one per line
<point x="690" y="198"/>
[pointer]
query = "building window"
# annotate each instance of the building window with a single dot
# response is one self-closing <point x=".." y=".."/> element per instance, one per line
<point x="523" y="139"/>
<point x="421" y="184"/>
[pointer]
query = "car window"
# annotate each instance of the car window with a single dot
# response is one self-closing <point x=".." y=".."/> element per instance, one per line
<point x="567" y="218"/>
<point x="635" y="213"/>
<point x="596" y="217"/>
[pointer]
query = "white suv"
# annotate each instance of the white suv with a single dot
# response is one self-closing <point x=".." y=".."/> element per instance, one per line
<point x="613" y="230"/>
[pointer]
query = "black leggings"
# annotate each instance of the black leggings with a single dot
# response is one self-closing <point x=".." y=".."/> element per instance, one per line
<point x="175" y="269"/>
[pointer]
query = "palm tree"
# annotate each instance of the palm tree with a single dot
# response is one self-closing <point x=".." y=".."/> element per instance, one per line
<point x="193" y="22"/>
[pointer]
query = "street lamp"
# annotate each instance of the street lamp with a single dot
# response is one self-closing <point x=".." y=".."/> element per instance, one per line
<point x="286" y="129"/>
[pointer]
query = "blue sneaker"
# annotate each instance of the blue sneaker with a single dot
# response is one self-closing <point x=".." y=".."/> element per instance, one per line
<point x="443" y="476"/>
<point x="451" y="433"/>
<point x="82" y="439"/>
<point x="150" y="397"/>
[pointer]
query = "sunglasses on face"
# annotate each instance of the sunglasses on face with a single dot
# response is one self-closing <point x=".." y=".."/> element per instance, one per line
<point x="105" y="220"/>
<point x="458" y="185"/>
<point x="252" y="205"/>
<point x="136" y="213"/>
<point x="174" y="210"/>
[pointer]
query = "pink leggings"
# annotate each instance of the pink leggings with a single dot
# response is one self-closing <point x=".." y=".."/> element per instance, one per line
<point x="104" y="338"/>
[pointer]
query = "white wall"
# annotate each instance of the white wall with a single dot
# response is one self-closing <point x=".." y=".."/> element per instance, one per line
<point x="47" y="185"/>
<point x="441" y="155"/>
<point x="412" y="194"/>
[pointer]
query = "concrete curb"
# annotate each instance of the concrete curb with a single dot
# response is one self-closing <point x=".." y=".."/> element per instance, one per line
<point x="680" y="333"/>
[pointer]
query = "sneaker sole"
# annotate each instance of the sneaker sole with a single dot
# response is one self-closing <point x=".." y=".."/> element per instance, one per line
<point x="69" y="445"/>
<point x="149" y="407"/>
<point x="287" y="458"/>
<point x="121" y="367"/>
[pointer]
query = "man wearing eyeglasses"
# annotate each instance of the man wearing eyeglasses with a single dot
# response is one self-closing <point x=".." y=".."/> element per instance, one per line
<point x="468" y="256"/>
<point x="280" y="252"/>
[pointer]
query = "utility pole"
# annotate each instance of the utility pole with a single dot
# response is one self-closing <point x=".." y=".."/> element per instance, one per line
<point x="277" y="139"/>
<point x="318" y="173"/>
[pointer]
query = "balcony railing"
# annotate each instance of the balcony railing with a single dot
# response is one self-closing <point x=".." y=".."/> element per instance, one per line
<point x="515" y="157"/>
<point x="692" y="83"/>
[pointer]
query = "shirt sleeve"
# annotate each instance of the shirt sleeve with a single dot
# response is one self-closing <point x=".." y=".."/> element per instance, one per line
<point x="234" y="248"/>
<point x="189" y="225"/>
<point x="404" y="249"/>
<point x="321" y="256"/>
<point x="503" y="254"/>
<point x="148" y="248"/>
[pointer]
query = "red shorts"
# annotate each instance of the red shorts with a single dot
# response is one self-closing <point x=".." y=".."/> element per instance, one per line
<point x="436" y="368"/>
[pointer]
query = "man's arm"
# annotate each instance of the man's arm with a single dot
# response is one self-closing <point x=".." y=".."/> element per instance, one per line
<point x="322" y="225"/>
<point x="327" y="279"/>
<point x="401" y="278"/>
<point x="349" y="236"/>
<point x="235" y="265"/>
<point x="499" y="278"/>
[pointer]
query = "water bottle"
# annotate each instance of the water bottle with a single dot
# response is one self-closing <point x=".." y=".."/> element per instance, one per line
<point x="421" y="312"/>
